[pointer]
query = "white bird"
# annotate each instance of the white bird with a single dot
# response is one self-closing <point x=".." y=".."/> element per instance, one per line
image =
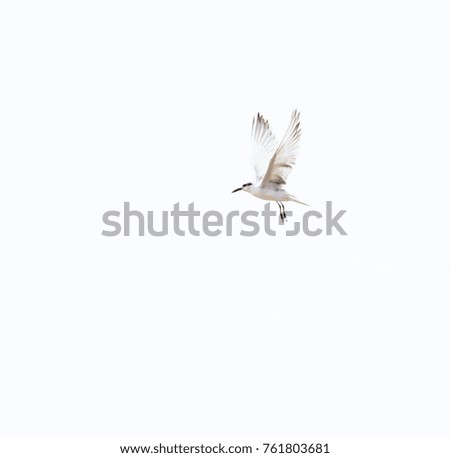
<point x="273" y="164"/>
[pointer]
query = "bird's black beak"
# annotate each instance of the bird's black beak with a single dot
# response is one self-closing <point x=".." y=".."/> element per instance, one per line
<point x="238" y="189"/>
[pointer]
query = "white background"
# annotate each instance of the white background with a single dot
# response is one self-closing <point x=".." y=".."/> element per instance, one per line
<point x="152" y="103"/>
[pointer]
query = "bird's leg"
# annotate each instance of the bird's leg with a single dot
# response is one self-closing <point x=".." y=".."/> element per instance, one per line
<point x="284" y="212"/>
<point x="279" y="206"/>
<point x="281" y="212"/>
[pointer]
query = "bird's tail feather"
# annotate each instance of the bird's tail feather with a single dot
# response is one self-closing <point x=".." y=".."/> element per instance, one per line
<point x="294" y="199"/>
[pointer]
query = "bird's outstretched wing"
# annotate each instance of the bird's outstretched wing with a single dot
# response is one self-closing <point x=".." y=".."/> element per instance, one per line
<point x="264" y="145"/>
<point x="284" y="158"/>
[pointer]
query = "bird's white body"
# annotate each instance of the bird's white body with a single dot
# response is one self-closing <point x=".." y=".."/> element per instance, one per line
<point x="273" y="163"/>
<point x="267" y="193"/>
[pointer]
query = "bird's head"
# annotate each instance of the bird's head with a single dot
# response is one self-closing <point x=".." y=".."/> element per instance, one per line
<point x="244" y="187"/>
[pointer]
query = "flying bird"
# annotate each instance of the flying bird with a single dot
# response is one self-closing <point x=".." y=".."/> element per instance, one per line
<point x="273" y="163"/>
